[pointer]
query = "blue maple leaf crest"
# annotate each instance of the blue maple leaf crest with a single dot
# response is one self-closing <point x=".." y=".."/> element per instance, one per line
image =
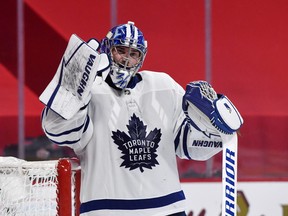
<point x="139" y="150"/>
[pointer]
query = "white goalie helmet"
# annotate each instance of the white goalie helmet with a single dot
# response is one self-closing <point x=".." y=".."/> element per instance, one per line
<point x="127" y="48"/>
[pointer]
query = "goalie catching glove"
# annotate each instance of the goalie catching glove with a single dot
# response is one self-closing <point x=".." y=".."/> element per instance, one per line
<point x="213" y="109"/>
<point x="70" y="88"/>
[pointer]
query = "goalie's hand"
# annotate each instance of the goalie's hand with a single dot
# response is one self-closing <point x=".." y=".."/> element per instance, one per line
<point x="200" y="97"/>
<point x="70" y="88"/>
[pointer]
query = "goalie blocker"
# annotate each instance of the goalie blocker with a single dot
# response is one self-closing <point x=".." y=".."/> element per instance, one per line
<point x="69" y="90"/>
<point x="215" y="109"/>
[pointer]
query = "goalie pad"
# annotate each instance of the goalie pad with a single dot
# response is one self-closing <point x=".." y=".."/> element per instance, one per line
<point x="216" y="109"/>
<point x="70" y="88"/>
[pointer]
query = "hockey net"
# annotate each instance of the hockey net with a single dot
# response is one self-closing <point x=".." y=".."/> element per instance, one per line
<point x="42" y="188"/>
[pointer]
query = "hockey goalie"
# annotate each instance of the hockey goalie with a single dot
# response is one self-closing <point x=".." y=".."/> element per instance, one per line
<point x="127" y="126"/>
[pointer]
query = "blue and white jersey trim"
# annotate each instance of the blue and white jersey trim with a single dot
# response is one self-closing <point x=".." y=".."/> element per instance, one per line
<point x="67" y="137"/>
<point x="120" y="204"/>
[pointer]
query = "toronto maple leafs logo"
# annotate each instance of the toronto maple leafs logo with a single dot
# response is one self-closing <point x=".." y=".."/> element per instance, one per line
<point x="139" y="150"/>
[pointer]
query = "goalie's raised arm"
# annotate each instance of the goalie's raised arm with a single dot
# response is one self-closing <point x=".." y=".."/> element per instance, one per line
<point x="202" y="102"/>
<point x="69" y="90"/>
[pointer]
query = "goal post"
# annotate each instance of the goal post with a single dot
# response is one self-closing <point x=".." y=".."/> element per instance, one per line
<point x="44" y="188"/>
<point x="68" y="187"/>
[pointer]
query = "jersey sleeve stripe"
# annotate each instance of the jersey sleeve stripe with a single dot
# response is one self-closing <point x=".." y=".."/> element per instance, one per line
<point x="185" y="136"/>
<point x="70" y="136"/>
<point x="66" y="142"/>
<point x="86" y="123"/>
<point x="76" y="129"/>
<point x="177" y="138"/>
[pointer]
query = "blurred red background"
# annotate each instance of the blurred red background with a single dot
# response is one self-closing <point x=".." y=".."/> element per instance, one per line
<point x="249" y="48"/>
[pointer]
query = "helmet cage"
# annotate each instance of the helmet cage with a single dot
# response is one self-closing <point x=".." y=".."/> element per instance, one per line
<point x="130" y="59"/>
<point x="126" y="35"/>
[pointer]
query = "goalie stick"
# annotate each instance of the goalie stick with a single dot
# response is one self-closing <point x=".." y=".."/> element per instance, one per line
<point x="229" y="175"/>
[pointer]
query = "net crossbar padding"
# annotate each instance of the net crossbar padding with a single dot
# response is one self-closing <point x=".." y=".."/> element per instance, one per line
<point x="42" y="188"/>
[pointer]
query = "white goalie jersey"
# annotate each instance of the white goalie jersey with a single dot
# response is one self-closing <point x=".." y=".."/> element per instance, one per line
<point x="127" y="141"/>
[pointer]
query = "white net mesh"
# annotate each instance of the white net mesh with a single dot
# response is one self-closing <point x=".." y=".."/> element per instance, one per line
<point x="28" y="188"/>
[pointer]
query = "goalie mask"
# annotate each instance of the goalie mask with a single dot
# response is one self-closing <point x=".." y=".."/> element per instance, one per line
<point x="126" y="46"/>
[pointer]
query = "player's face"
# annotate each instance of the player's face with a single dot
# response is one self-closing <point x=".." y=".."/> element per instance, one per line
<point x="126" y="56"/>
